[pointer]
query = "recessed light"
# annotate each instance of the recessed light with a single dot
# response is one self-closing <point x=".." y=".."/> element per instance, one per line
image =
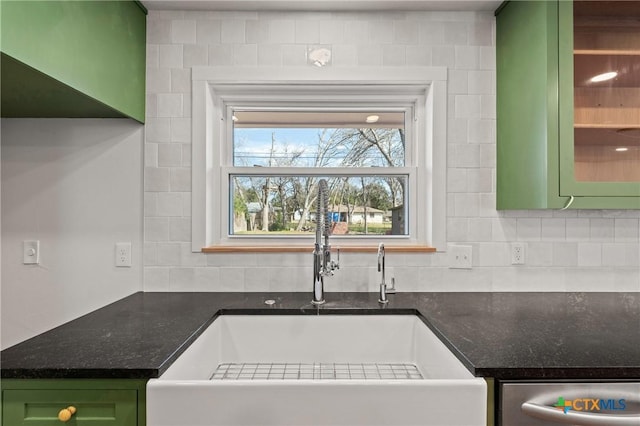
<point x="372" y="119"/>
<point x="622" y="149"/>
<point x="604" y="77"/>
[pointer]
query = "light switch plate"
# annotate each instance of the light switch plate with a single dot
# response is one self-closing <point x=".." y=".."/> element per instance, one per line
<point x="31" y="252"/>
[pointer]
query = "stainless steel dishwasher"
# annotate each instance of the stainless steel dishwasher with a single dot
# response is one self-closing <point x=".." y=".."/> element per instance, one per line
<point x="569" y="403"/>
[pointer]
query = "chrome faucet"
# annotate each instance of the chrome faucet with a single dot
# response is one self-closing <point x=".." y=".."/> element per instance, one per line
<point x="384" y="290"/>
<point x="323" y="266"/>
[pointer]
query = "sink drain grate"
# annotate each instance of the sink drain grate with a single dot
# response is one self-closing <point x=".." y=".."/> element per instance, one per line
<point x="317" y="371"/>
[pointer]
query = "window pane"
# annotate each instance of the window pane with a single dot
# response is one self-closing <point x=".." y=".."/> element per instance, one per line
<point x="286" y="205"/>
<point x="318" y="139"/>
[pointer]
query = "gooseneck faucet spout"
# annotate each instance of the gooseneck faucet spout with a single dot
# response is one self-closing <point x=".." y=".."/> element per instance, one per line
<point x="381" y="262"/>
<point x="322" y="263"/>
<point x="384" y="289"/>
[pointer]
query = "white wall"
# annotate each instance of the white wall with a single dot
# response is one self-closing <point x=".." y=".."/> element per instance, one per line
<point x="75" y="185"/>
<point x="569" y="250"/>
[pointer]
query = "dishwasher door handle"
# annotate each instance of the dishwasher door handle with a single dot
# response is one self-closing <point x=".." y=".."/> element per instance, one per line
<point x="576" y="418"/>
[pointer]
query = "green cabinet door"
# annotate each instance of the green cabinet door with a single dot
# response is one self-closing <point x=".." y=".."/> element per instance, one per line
<point x="589" y="45"/>
<point x="97" y="402"/>
<point x="94" y="407"/>
<point x="527" y="105"/>
<point x="536" y="159"/>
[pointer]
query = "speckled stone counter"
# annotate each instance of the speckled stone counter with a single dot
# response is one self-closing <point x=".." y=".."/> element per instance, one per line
<point x="499" y="335"/>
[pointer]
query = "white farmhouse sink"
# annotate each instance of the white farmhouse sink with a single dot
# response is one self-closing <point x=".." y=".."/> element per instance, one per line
<point x="317" y="370"/>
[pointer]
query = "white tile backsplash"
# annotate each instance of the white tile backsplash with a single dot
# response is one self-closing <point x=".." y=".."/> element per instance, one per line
<point x="578" y="229"/>
<point x="566" y="250"/>
<point x="552" y="229"/>
<point x="282" y="31"/>
<point x="245" y="55"/>
<point x="529" y="229"/>
<point x="181" y="130"/>
<point x="602" y="229"/>
<point x="564" y="254"/>
<point x="181" y="80"/>
<point x="180" y="229"/>
<point x="208" y="31"/>
<point x="307" y="31"/>
<point x="405" y="32"/>
<point x="156" y="229"/>
<point x="344" y="55"/>
<point x="158" y="129"/>
<point x="170" y="105"/>
<point x="156" y="179"/>
<point x="220" y="55"/>
<point x="158" y="81"/>
<point x="180" y="179"/>
<point x="169" y="154"/>
<point x="269" y="55"/>
<point x="394" y="55"/>
<point x="151" y="154"/>
<point x="183" y="31"/>
<point x="294" y="55"/>
<point x="157" y="278"/>
<point x="589" y="254"/>
<point x="626" y="230"/>
<point x="195" y="55"/>
<point x="233" y="31"/>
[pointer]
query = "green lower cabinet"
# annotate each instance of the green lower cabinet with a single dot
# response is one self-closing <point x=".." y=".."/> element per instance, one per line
<point x="97" y="402"/>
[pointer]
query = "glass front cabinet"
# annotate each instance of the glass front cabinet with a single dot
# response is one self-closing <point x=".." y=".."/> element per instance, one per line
<point x="568" y="104"/>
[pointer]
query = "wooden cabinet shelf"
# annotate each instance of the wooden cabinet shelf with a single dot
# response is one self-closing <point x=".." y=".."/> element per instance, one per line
<point x="605" y="52"/>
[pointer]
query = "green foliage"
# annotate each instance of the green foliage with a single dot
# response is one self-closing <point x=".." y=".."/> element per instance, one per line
<point x="276" y="226"/>
<point x="238" y="205"/>
<point x="377" y="229"/>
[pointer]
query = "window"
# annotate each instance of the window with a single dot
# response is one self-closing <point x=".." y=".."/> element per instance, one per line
<point x="279" y="154"/>
<point x="260" y="147"/>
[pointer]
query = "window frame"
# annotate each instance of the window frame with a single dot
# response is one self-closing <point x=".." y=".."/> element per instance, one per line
<point x="420" y="89"/>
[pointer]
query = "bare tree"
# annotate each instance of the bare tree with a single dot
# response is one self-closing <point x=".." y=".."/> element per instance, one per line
<point x="324" y="156"/>
<point x="343" y="147"/>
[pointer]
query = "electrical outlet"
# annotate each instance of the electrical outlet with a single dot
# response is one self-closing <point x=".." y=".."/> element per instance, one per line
<point x="31" y="252"/>
<point x="460" y="257"/>
<point x="518" y="254"/>
<point x="123" y="254"/>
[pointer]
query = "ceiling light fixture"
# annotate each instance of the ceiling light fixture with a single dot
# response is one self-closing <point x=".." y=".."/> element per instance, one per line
<point x="604" y="77"/>
<point x="319" y="56"/>
<point x="372" y="119"/>
<point x="622" y="149"/>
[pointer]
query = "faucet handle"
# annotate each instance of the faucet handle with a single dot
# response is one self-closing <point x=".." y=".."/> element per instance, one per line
<point x="335" y="264"/>
<point x="392" y="289"/>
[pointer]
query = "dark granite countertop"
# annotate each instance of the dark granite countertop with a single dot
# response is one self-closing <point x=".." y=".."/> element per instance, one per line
<point x="500" y="335"/>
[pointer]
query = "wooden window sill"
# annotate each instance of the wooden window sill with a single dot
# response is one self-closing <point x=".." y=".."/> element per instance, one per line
<point x="306" y="248"/>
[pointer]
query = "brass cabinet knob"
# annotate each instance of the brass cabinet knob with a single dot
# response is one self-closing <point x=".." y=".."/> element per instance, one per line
<point x="65" y="414"/>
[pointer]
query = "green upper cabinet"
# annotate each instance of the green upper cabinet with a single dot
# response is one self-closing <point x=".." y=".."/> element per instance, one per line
<point x="564" y="139"/>
<point x="73" y="59"/>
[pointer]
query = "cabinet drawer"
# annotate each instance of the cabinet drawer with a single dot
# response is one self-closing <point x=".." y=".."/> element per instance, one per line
<point x="105" y="407"/>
